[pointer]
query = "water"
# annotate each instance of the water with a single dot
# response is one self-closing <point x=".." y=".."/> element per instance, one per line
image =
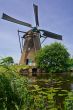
<point x="60" y="84"/>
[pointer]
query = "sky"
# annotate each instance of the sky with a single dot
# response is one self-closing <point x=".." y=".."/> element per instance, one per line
<point x="54" y="15"/>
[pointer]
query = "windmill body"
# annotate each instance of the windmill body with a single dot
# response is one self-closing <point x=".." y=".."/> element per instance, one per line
<point x="31" y="39"/>
<point x="31" y="46"/>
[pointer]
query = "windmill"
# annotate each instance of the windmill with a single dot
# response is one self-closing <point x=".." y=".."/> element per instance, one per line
<point x="31" y="39"/>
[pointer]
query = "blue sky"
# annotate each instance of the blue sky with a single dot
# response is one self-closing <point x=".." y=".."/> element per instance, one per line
<point x="54" y="15"/>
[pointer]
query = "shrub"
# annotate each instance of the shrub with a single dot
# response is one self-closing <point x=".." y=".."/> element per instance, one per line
<point x="6" y="61"/>
<point x="53" y="58"/>
<point x="13" y="90"/>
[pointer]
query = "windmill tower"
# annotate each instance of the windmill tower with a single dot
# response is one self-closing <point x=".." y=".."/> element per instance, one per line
<point x="31" y="38"/>
<point x="31" y="46"/>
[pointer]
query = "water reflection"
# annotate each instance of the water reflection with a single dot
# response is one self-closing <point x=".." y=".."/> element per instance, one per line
<point x="60" y="83"/>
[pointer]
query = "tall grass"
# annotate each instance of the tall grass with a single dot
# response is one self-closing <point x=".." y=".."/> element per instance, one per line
<point x="13" y="89"/>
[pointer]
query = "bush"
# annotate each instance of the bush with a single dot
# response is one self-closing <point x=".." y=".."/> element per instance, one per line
<point x="53" y="58"/>
<point x="6" y="61"/>
<point x="13" y="90"/>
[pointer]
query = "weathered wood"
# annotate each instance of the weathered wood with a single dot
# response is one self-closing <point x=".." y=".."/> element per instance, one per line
<point x="31" y="46"/>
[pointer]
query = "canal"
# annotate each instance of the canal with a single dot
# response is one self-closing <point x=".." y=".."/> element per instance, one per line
<point x="56" y="89"/>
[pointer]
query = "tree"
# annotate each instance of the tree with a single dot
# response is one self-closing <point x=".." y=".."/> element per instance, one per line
<point x="53" y="58"/>
<point x="7" y="61"/>
<point x="70" y="61"/>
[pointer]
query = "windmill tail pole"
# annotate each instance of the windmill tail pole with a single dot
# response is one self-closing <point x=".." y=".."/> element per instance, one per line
<point x="19" y="41"/>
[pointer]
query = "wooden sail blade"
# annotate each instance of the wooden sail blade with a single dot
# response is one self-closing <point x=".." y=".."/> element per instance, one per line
<point x="8" y="18"/>
<point x="36" y="14"/>
<point x="51" y="35"/>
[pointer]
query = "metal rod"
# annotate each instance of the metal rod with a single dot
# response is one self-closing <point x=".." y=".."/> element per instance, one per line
<point x="21" y="31"/>
<point x="43" y="36"/>
<point x="43" y="40"/>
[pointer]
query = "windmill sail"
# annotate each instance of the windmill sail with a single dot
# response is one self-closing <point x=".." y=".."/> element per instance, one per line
<point x="8" y="18"/>
<point x="51" y="35"/>
<point x="36" y="14"/>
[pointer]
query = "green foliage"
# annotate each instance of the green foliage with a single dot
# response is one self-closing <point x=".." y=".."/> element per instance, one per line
<point x="41" y="100"/>
<point x="20" y="93"/>
<point x="17" y="68"/>
<point x="53" y="58"/>
<point x="70" y="61"/>
<point x="68" y="103"/>
<point x="13" y="90"/>
<point x="6" y="61"/>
